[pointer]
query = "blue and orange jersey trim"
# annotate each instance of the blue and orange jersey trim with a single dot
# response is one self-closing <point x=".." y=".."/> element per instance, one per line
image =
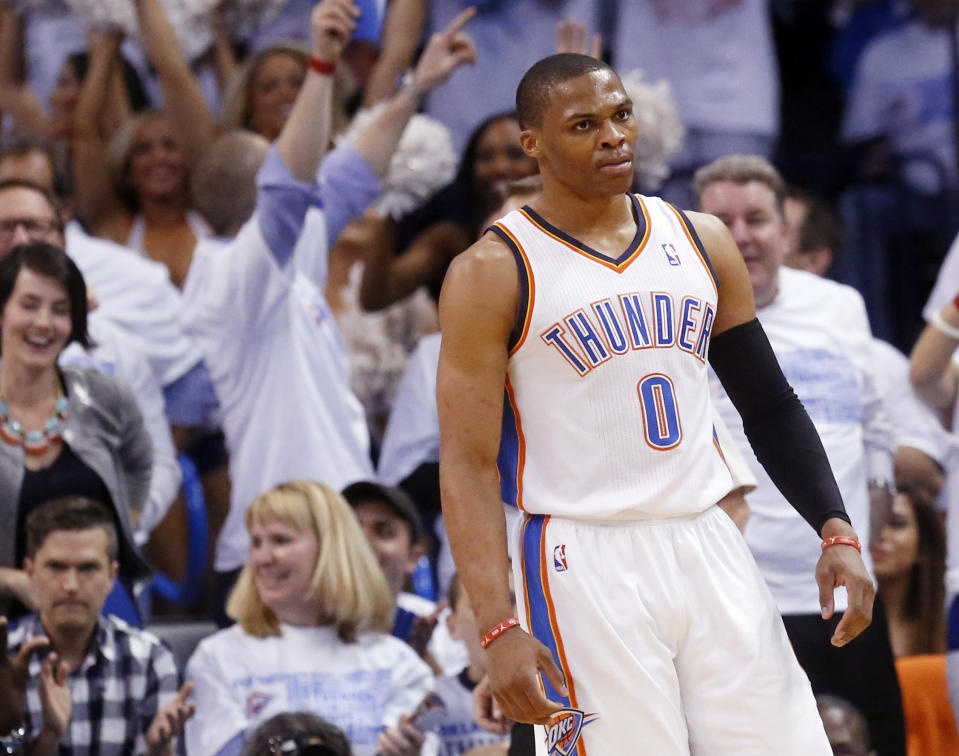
<point x="527" y="287"/>
<point x="718" y="447"/>
<point x="618" y="264"/>
<point x="512" y="451"/>
<point x="697" y="243"/>
<point x="541" y="612"/>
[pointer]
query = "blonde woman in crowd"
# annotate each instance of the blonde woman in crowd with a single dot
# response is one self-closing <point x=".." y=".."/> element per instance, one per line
<point x="313" y="615"/>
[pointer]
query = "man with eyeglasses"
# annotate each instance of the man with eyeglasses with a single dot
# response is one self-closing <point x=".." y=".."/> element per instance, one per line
<point x="24" y="230"/>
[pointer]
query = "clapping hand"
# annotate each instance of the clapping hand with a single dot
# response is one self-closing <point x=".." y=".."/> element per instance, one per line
<point x="169" y="722"/>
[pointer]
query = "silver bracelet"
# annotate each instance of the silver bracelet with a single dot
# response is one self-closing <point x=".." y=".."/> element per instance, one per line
<point x="939" y="323"/>
<point x="405" y="81"/>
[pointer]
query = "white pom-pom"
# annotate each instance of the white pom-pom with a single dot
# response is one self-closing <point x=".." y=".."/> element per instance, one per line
<point x="190" y="20"/>
<point x="661" y="132"/>
<point x="423" y="163"/>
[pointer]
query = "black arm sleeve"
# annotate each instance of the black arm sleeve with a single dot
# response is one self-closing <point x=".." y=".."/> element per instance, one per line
<point x="780" y="432"/>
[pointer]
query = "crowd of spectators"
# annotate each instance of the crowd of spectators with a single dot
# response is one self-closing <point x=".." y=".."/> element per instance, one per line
<point x="224" y="226"/>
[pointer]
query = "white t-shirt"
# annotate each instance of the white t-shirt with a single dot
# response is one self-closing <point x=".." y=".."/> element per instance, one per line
<point x="914" y="423"/>
<point x="116" y="353"/>
<point x="946" y="288"/>
<point x="902" y="91"/>
<point x="459" y="731"/>
<point x="135" y="294"/>
<point x="717" y="54"/>
<point x="412" y="436"/>
<point x="361" y="687"/>
<point x="820" y="334"/>
<point x="279" y="368"/>
<point x="947" y="282"/>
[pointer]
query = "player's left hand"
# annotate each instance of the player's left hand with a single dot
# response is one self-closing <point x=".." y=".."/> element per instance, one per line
<point x="842" y="565"/>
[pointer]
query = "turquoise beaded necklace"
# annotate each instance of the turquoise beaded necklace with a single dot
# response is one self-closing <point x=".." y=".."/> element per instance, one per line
<point x="35" y="443"/>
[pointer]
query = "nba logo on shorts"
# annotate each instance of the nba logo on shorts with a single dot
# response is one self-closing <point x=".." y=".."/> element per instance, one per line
<point x="562" y="733"/>
<point x="559" y="558"/>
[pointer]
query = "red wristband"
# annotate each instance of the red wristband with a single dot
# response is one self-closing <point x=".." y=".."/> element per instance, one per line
<point x="322" y="67"/>
<point x="842" y="541"/>
<point x="955" y="302"/>
<point x="498" y="630"/>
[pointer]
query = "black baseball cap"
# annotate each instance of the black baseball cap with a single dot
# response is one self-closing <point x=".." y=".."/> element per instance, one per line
<point x="397" y="498"/>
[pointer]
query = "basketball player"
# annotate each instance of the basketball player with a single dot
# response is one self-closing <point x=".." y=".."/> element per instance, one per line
<point x="646" y="627"/>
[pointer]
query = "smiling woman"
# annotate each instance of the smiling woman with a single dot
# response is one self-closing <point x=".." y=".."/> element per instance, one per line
<point x="313" y="612"/>
<point x="63" y="432"/>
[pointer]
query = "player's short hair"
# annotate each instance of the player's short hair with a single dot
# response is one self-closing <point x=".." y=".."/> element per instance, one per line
<point x="535" y="88"/>
<point x="740" y="169"/>
<point x="73" y="514"/>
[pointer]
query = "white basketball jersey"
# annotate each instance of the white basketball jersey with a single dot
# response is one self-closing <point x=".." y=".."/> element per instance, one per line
<point x="607" y="411"/>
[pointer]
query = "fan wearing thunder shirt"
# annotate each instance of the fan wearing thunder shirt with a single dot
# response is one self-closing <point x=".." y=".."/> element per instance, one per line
<point x="644" y="622"/>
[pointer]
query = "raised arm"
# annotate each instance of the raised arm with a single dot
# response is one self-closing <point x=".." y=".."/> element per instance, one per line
<point x="931" y="369"/>
<point x="779" y="430"/>
<point x="182" y="97"/>
<point x="96" y="201"/>
<point x="477" y="312"/>
<point x="401" y="35"/>
<point x="16" y="99"/>
<point x="306" y="133"/>
<point x="446" y="51"/>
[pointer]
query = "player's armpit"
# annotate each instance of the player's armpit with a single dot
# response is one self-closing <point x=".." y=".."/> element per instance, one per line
<point x="736" y="302"/>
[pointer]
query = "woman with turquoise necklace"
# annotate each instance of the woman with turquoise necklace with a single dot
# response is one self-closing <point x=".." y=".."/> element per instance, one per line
<point x="63" y="431"/>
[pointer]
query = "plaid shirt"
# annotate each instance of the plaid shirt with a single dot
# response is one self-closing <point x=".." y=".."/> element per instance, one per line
<point x="128" y="675"/>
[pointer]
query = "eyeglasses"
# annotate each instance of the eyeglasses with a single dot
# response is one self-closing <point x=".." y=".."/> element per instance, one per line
<point x="298" y="744"/>
<point x="35" y="228"/>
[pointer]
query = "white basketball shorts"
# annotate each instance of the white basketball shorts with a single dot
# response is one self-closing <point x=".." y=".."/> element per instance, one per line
<point x="668" y="637"/>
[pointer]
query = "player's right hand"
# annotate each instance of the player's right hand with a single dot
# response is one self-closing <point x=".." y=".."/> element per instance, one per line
<point x="513" y="664"/>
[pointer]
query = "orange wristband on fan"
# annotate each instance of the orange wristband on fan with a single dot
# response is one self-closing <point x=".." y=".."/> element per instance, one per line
<point x="497" y="630"/>
<point x="842" y="541"/>
<point x="322" y="67"/>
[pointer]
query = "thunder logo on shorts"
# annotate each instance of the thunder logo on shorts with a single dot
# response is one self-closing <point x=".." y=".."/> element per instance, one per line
<point x="562" y="733"/>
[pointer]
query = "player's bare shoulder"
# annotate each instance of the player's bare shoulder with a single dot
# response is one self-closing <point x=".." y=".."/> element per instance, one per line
<point x="489" y="255"/>
<point x="717" y="240"/>
<point x="736" y="304"/>
<point x="483" y="278"/>
<point x="712" y="231"/>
